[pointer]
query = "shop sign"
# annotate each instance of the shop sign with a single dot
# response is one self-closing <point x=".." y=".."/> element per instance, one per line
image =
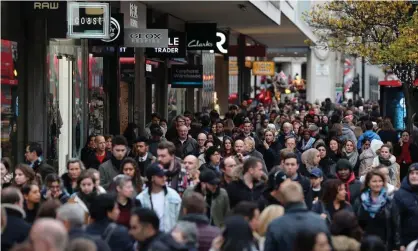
<point x="186" y="76"/>
<point x="176" y="47"/>
<point x="201" y="36"/>
<point x="41" y="5"/>
<point x="222" y="42"/>
<point x="88" y="20"/>
<point x="115" y="33"/>
<point x="146" y="38"/>
<point x="134" y="14"/>
<point x="263" y="68"/>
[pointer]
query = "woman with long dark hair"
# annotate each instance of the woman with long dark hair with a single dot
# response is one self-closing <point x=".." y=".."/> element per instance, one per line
<point x="130" y="168"/>
<point x="5" y="173"/>
<point x="326" y="163"/>
<point x="32" y="198"/>
<point x="24" y="175"/>
<point x="335" y="148"/>
<point x="332" y="201"/>
<point x="403" y="150"/>
<point x="376" y="212"/>
<point x="227" y="148"/>
<point x="387" y="133"/>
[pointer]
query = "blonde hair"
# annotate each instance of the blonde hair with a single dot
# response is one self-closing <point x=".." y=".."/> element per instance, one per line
<point x="291" y="192"/>
<point x="267" y="216"/>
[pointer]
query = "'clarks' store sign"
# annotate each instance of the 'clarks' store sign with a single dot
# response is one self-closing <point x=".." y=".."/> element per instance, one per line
<point x="176" y="47"/>
<point x="88" y="20"/>
<point x="146" y="38"/>
<point x="201" y="36"/>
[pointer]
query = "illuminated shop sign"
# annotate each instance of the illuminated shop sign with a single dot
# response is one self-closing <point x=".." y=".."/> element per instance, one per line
<point x="88" y="20"/>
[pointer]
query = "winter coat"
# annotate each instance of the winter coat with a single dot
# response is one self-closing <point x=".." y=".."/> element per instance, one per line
<point x="271" y="156"/>
<point x="394" y="170"/>
<point x="42" y="168"/>
<point x="93" y="162"/>
<point x="282" y="232"/>
<point x="391" y="223"/>
<point x="369" y="135"/>
<point x="76" y="233"/>
<point x="17" y="229"/>
<point x="172" y="206"/>
<point x="320" y="208"/>
<point x="406" y="199"/>
<point x="238" y="191"/>
<point x="108" y="171"/>
<point x="366" y="159"/>
<point x="219" y="203"/>
<point x="348" y="134"/>
<point x="120" y="240"/>
<point x="205" y="232"/>
<point x="188" y="147"/>
<point x="388" y="136"/>
<point x="161" y="242"/>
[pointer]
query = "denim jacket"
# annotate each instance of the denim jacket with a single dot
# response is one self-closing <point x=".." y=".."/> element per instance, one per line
<point x="172" y="206"/>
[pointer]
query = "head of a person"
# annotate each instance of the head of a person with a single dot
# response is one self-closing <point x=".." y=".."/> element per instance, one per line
<point x="287" y="127"/>
<point x="290" y="164"/>
<point x="155" y="119"/>
<point x="368" y="125"/>
<point x="269" y="136"/>
<point x="4" y="167"/>
<point x="209" y="142"/>
<point x="141" y="146"/>
<point x="104" y="206"/>
<point x="349" y="146"/>
<point x="144" y="224"/>
<point x="322" y="150"/>
<point x="74" y="168"/>
<point x="119" y="147"/>
<point x="290" y="142"/>
<point x="86" y="182"/>
<point x="237" y="234"/>
<point x="33" y="151"/>
<point x="31" y="193"/>
<point x="333" y="191"/>
<point x="194" y="203"/>
<point x="182" y="132"/>
<point x="334" y="145"/>
<point x="385" y="151"/>
<point x="23" y="175"/>
<point x="100" y="143"/>
<point x="185" y="232"/>
<point x="227" y="166"/>
<point x="213" y="155"/>
<point x="123" y="185"/>
<point x="201" y="139"/>
<point x="163" y="124"/>
<point x="180" y="121"/>
<point x="209" y="180"/>
<point x="49" y="235"/>
<point x="311" y="157"/>
<point x="254" y="168"/>
<point x="12" y="196"/>
<point x="219" y="127"/>
<point x="108" y="139"/>
<point x="375" y="181"/>
<point x="311" y="240"/>
<point x="239" y="146"/>
<point x="269" y="214"/>
<point x="372" y="243"/>
<point x="365" y="143"/>
<point x="345" y="223"/>
<point x="190" y="163"/>
<point x="413" y="175"/>
<point x="405" y="136"/>
<point x="247" y="127"/>
<point x="128" y="167"/>
<point x="155" y="176"/>
<point x="250" y="212"/>
<point x="48" y="209"/>
<point x="91" y="143"/>
<point x="344" y="169"/>
<point x="291" y="192"/>
<point x="306" y="134"/>
<point x="166" y="152"/>
<point x="71" y="215"/>
<point x="316" y="176"/>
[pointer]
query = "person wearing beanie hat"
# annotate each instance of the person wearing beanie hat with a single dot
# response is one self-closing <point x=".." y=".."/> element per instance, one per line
<point x="345" y="173"/>
<point x="406" y="199"/>
<point x="212" y="159"/>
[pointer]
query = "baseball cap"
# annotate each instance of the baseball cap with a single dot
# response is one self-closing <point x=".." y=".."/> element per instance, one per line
<point x="154" y="170"/>
<point x="279" y="178"/>
<point x="316" y="172"/>
<point x="209" y="176"/>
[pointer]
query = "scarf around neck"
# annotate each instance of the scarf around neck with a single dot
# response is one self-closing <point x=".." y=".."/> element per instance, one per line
<point x="352" y="157"/>
<point x="373" y="207"/>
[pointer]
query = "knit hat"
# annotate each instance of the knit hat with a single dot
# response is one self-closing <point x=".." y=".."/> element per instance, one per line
<point x="344" y="164"/>
<point x="413" y="167"/>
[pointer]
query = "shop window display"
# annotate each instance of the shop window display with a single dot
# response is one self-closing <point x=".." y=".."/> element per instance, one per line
<point x="9" y="99"/>
<point x="96" y="96"/>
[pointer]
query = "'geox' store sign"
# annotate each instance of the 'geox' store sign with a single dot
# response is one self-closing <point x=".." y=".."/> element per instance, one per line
<point x="88" y="20"/>
<point x="146" y="38"/>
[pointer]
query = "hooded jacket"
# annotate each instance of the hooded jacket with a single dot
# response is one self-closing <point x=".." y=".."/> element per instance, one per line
<point x="348" y="134"/>
<point x="406" y="198"/>
<point x="369" y="135"/>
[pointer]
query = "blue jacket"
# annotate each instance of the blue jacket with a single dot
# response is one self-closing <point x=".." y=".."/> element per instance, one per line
<point x="407" y="201"/>
<point x="282" y="232"/>
<point x="120" y="239"/>
<point x="367" y="134"/>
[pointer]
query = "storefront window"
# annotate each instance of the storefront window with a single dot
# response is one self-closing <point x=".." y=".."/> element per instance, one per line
<point x="9" y="100"/>
<point x="96" y="96"/>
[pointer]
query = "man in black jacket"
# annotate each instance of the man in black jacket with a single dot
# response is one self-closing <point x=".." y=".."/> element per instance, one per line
<point x="142" y="155"/>
<point x="291" y="166"/>
<point x="34" y="158"/>
<point x="100" y="155"/>
<point x="185" y="145"/>
<point x="145" y="226"/>
<point x="17" y="229"/>
<point x="270" y="195"/>
<point x="249" y="187"/>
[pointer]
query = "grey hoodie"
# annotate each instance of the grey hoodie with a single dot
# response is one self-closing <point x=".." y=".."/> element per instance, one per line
<point x="348" y="133"/>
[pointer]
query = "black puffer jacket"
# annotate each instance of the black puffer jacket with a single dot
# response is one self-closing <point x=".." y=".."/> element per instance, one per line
<point x="238" y="191"/>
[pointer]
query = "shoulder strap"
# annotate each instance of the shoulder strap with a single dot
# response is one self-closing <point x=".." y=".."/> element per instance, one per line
<point x="109" y="231"/>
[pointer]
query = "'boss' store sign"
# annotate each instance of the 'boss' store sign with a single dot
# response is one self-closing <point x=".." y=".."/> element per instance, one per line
<point x="176" y="47"/>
